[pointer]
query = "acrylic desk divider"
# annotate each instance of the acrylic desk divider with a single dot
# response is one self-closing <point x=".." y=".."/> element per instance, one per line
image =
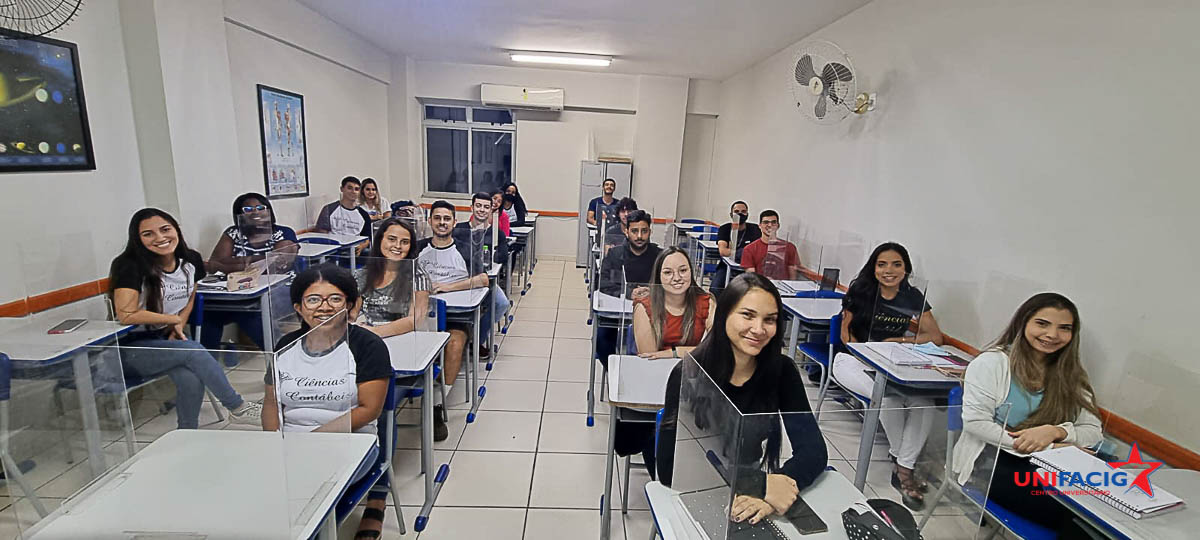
<point x="724" y="460"/>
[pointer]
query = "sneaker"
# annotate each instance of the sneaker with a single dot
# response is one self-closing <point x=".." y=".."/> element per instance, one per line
<point x="484" y="352"/>
<point x="249" y="412"/>
<point x="440" y="432"/>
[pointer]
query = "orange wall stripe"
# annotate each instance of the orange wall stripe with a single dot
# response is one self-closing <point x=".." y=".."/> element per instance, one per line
<point x="16" y="308"/>
<point x="60" y="297"/>
<point x="1170" y="453"/>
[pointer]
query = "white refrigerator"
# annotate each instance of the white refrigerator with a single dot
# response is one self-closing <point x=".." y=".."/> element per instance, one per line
<point x="591" y="175"/>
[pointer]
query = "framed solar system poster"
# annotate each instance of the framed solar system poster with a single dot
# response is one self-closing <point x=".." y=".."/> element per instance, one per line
<point x="285" y="156"/>
<point x="43" y="119"/>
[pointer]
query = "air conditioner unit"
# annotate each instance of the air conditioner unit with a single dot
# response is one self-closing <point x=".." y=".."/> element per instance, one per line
<point x="521" y="97"/>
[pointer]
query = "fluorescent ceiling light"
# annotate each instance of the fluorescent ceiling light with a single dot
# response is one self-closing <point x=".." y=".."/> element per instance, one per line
<point x="538" y="57"/>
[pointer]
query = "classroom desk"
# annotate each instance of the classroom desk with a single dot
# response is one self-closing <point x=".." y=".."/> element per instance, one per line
<point x="816" y="311"/>
<point x="29" y="346"/>
<point x="730" y="265"/>
<point x="525" y="235"/>
<point x="885" y="370"/>
<point x="829" y="496"/>
<point x="413" y="354"/>
<point x="1177" y="524"/>
<point x="220" y="299"/>
<point x="645" y="388"/>
<point x="797" y="286"/>
<point x="611" y="312"/>
<point x="341" y="240"/>
<point x="316" y="251"/>
<point x="466" y="306"/>
<point x="214" y="484"/>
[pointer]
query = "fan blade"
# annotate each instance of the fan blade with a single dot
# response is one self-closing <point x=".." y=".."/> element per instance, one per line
<point x="804" y="70"/>
<point x="835" y="71"/>
<point x="819" y="110"/>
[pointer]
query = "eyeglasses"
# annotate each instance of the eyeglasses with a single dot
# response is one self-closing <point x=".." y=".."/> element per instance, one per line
<point x="248" y="209"/>
<point x="314" y="301"/>
<point x="769" y="222"/>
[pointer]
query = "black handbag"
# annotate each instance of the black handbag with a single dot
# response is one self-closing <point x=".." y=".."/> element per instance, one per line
<point x="863" y="522"/>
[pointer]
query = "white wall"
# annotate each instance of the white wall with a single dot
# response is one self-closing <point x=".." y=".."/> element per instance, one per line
<point x="63" y="228"/>
<point x="634" y="115"/>
<point x="699" y="137"/>
<point x="1009" y="160"/>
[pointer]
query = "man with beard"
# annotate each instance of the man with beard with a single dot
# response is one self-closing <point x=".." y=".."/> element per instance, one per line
<point x="606" y="204"/>
<point x="635" y="260"/>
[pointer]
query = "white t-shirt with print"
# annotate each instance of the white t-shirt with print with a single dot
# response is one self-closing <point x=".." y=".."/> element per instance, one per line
<point x="177" y="288"/>
<point x="314" y="390"/>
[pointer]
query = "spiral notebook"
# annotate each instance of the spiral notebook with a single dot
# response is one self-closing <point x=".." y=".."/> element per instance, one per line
<point x="1131" y="501"/>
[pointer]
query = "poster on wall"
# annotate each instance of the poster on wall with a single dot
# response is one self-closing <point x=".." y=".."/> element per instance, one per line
<point x="285" y="157"/>
<point x="43" y="119"/>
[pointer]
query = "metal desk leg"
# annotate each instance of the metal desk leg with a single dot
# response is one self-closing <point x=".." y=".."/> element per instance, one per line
<point x="870" y="425"/>
<point x="605" y="505"/>
<point x="87" y="406"/>
<point x="427" y="428"/>
<point x="353" y="254"/>
<point x="794" y="339"/>
<point x="477" y="390"/>
<point x="591" y="391"/>
<point x="268" y="328"/>
<point x="328" y="530"/>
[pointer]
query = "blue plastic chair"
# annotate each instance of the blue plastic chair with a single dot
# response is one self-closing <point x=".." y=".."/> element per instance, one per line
<point x="822" y="355"/>
<point x="693" y="221"/>
<point x="381" y="469"/>
<point x="1014" y="523"/>
<point x="704" y="229"/>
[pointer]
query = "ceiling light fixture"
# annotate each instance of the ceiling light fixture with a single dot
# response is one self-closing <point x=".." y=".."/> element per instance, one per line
<point x="538" y="57"/>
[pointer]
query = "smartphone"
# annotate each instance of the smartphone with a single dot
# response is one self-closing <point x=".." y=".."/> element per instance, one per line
<point x="67" y="326"/>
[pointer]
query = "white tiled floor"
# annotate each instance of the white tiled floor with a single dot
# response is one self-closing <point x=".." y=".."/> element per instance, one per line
<point x="529" y="467"/>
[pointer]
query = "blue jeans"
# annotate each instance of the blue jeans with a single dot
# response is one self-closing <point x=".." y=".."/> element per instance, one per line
<point x="214" y="325"/>
<point x="499" y="306"/>
<point x="189" y="366"/>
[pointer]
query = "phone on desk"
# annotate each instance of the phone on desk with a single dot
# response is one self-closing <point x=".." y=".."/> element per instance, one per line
<point x="67" y="326"/>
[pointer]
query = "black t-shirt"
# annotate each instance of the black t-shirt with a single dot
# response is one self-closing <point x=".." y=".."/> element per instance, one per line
<point x="371" y="358"/>
<point x="126" y="275"/>
<point x="638" y="268"/>
<point x="749" y="233"/>
<point x="883" y="319"/>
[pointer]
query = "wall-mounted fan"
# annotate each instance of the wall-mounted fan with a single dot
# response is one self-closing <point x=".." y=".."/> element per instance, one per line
<point x="37" y="17"/>
<point x="824" y="84"/>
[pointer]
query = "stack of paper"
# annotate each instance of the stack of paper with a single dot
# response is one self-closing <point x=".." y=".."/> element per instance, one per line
<point x="904" y="355"/>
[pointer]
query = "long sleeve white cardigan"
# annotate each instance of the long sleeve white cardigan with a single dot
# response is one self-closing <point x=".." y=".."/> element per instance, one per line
<point x="985" y="389"/>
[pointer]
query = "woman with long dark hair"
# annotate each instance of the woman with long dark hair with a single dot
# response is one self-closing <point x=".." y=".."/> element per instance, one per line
<point x="1029" y="392"/>
<point x="671" y="318"/>
<point x="253" y="236"/>
<point x="514" y="205"/>
<point x="881" y="305"/>
<point x="336" y="378"/>
<point x="153" y="284"/>
<point x="742" y="356"/>
<point x="393" y="289"/>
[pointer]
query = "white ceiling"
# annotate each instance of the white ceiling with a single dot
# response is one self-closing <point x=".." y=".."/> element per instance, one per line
<point x="705" y="39"/>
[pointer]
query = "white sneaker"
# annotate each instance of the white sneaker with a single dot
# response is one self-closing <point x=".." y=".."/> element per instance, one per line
<point x="250" y="412"/>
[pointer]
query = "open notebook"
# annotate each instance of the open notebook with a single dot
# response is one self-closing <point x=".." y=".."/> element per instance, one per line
<point x="907" y="355"/>
<point x="1128" y="499"/>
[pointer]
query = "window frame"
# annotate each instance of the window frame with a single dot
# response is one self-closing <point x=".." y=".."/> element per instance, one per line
<point x="470" y="126"/>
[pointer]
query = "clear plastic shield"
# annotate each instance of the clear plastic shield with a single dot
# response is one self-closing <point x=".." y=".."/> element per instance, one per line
<point x="611" y="229"/>
<point x="169" y="419"/>
<point x="610" y="274"/>
<point x="416" y="217"/>
<point x="393" y="293"/>
<point x="777" y="258"/>
<point x="849" y="252"/>
<point x="708" y="431"/>
<point x="311" y="380"/>
<point x="895" y="328"/>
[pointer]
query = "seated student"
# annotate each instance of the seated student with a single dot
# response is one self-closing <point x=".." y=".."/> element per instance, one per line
<point x="452" y="265"/>
<point x="879" y="306"/>
<point x="373" y="201"/>
<point x="616" y="226"/>
<point x="635" y="261"/>
<point x="252" y="236"/>
<point x="351" y="364"/>
<point x="154" y="286"/>
<point x="413" y="215"/>
<point x="498" y="214"/>
<point x="746" y="232"/>
<point x="604" y="203"/>
<point x="770" y="256"/>
<point x="514" y="205"/>
<point x="742" y="354"/>
<point x="344" y="216"/>
<point x="669" y="320"/>
<point x="477" y="232"/>
<point x="1033" y="372"/>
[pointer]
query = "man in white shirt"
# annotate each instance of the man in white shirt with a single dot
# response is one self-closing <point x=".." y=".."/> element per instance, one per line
<point x="344" y="216"/>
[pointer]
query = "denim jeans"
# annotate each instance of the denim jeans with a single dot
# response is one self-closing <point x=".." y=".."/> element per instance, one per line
<point x="214" y="325"/>
<point x="499" y="306"/>
<point x="189" y="366"/>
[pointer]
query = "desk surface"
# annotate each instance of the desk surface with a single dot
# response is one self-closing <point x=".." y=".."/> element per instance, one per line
<point x="710" y="245"/>
<point x="412" y="353"/>
<point x="342" y="239"/>
<point x="308" y="249"/>
<point x="494" y="271"/>
<point x="907" y="375"/>
<point x="463" y="300"/>
<point x="28" y="341"/>
<point x="813" y="309"/>
<point x="829" y="496"/>
<point x="264" y="282"/>
<point x="521" y="231"/>
<point x="606" y="304"/>
<point x="638" y="382"/>
<point x="1179" y="524"/>
<point x="729" y="261"/>
<point x="182" y="484"/>
<point x="798" y="286"/>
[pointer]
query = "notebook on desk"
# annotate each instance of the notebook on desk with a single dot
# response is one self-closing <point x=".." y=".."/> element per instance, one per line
<point x="1071" y="460"/>
<point x="902" y="355"/>
<point x="710" y="509"/>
